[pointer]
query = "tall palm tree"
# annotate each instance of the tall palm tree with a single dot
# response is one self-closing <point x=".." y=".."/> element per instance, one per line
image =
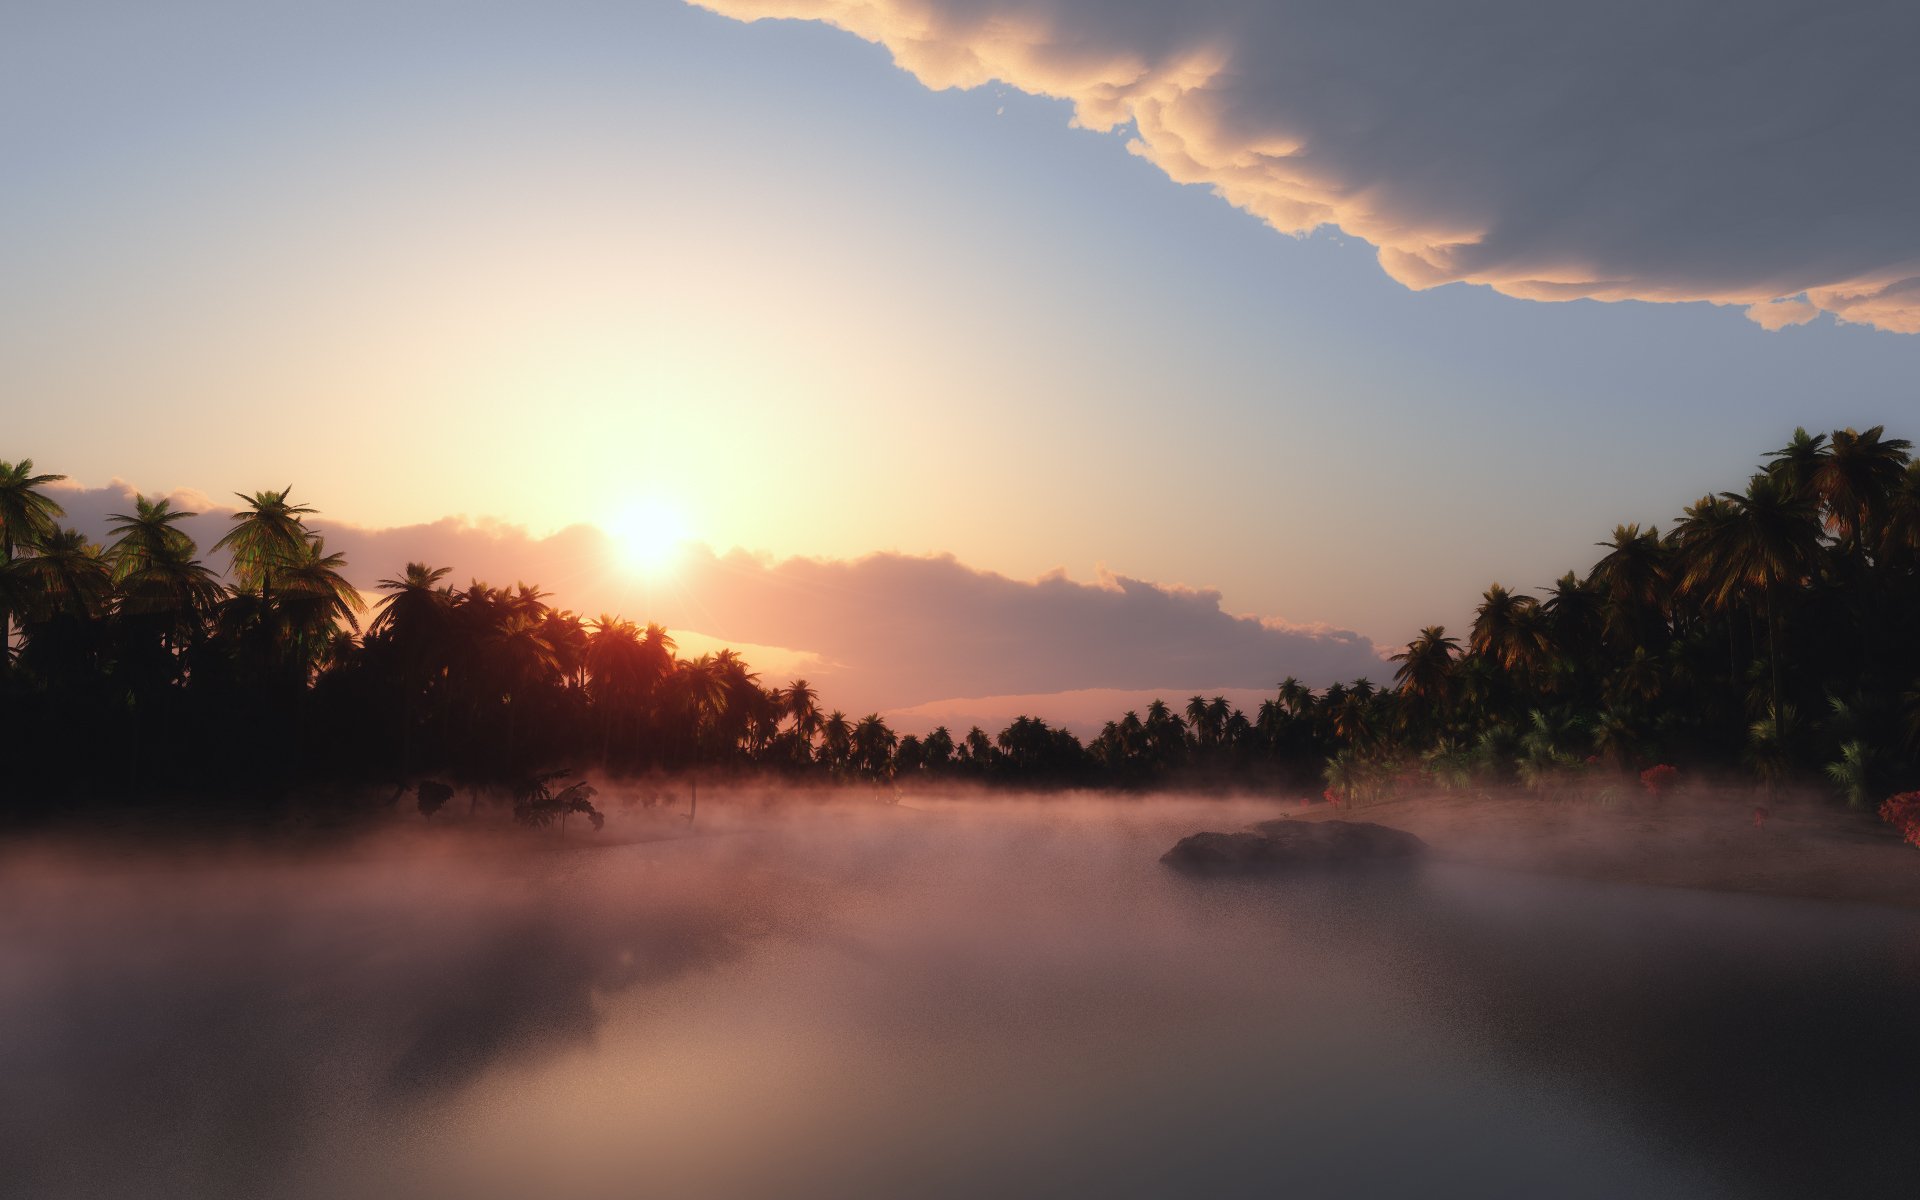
<point x="415" y="606"/>
<point x="802" y="704"/>
<point x="1197" y="720"/>
<point x="1900" y="533"/>
<point x="873" y="744"/>
<point x="70" y="577"/>
<point x="1506" y="630"/>
<point x="741" y="700"/>
<point x="1632" y="576"/>
<point x="1770" y="539"/>
<point x="147" y="534"/>
<point x="170" y="586"/>
<point x="1425" y="672"/>
<point x="699" y="690"/>
<point x="1218" y="714"/>
<point x="268" y="535"/>
<point x="937" y="748"/>
<point x="1858" y="476"/>
<point x="414" y="620"/>
<point x="27" y="515"/>
<point x="1799" y="463"/>
<point x="836" y="740"/>
<point x="520" y="657"/>
<point x="315" y="589"/>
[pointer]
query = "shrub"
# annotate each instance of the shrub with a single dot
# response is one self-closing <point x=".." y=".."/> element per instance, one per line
<point x="1903" y="813"/>
<point x="1659" y="779"/>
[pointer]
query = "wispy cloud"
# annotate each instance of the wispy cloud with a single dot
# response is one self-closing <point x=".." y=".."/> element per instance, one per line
<point x="1660" y="150"/>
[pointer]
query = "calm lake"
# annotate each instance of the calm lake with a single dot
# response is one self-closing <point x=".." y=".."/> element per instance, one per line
<point x="1002" y="999"/>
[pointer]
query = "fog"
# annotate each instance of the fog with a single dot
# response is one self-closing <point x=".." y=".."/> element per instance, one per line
<point x="936" y="998"/>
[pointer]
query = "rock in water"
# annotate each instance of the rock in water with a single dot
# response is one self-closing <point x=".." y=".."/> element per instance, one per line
<point x="1288" y="843"/>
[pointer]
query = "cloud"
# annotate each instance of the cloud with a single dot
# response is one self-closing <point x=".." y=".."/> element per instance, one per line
<point x="885" y="631"/>
<point x="1663" y="150"/>
<point x="1083" y="710"/>
<point x="1779" y="314"/>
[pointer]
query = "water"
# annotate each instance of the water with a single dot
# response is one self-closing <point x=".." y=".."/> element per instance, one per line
<point x="1005" y="999"/>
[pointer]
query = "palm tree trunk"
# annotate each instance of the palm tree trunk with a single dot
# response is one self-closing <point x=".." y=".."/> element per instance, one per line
<point x="1733" y="654"/>
<point x="6" y="614"/>
<point x="1773" y="653"/>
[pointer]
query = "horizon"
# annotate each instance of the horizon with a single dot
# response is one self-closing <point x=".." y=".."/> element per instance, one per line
<point x="712" y="600"/>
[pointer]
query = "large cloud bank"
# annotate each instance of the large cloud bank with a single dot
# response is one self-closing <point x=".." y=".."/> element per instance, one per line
<point x="886" y="631"/>
<point x="1758" y="154"/>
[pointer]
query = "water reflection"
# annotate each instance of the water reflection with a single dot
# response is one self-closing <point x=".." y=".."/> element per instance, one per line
<point x="1008" y="999"/>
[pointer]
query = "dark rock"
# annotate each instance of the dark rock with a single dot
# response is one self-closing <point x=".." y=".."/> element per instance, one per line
<point x="1288" y="843"/>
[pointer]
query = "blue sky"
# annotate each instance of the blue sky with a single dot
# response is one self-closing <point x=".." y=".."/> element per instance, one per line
<point x="530" y="264"/>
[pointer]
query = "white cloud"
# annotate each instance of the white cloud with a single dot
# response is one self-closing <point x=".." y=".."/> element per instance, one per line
<point x="1662" y="150"/>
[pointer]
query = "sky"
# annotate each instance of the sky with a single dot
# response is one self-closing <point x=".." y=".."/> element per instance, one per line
<point x="1306" y="321"/>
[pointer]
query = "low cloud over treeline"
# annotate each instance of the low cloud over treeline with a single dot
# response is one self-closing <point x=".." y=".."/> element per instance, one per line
<point x="883" y="631"/>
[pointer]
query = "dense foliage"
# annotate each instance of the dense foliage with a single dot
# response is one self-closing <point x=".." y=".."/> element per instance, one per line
<point x="1768" y="632"/>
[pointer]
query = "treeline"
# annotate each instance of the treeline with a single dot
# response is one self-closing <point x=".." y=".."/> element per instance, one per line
<point x="1767" y="633"/>
<point x="134" y="671"/>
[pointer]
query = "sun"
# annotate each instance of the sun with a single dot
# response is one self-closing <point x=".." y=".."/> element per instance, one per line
<point x="648" y="535"/>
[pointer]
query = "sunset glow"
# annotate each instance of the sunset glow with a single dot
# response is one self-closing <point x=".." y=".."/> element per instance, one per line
<point x="649" y="535"/>
<point x="1034" y="599"/>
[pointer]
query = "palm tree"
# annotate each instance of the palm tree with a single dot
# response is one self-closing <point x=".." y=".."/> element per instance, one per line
<point x="1197" y="720"/>
<point x="316" y="593"/>
<point x="415" y="607"/>
<point x="873" y="744"/>
<point x="567" y="633"/>
<point x="1218" y="713"/>
<point x="937" y="748"/>
<point x="1426" y="665"/>
<point x="1900" y="533"/>
<point x="620" y="680"/>
<point x="415" y="619"/>
<point x="147" y="535"/>
<point x="1507" y="631"/>
<point x="1295" y="696"/>
<point x="517" y="657"/>
<point x="268" y="536"/>
<point x="836" y="740"/>
<point x="699" y="691"/>
<point x="69" y="577"/>
<point x="741" y="701"/>
<point x="1859" y="474"/>
<point x="1770" y="538"/>
<point x="802" y="704"/>
<point x="170" y="586"/>
<point x="1632" y="576"/>
<point x="1353" y="716"/>
<point x="27" y="514"/>
<point x="1799" y="463"/>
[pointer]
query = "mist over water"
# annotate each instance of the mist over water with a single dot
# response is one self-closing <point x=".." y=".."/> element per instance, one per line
<point x="1004" y="997"/>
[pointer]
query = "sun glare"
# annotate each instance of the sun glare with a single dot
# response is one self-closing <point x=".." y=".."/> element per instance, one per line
<point x="648" y="535"/>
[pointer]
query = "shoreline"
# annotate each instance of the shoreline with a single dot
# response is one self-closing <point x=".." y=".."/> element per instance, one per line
<point x="1805" y="849"/>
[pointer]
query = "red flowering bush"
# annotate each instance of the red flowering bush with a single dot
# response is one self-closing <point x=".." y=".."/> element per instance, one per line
<point x="1903" y="813"/>
<point x="1658" y="779"/>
